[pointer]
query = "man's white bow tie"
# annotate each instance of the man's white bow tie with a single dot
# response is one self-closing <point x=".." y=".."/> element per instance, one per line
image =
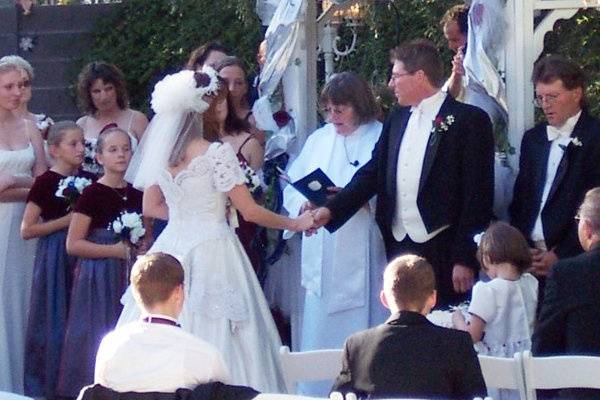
<point x="555" y="133"/>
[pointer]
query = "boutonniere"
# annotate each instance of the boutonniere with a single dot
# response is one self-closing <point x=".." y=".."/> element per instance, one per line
<point x="441" y="124"/>
<point x="572" y="141"/>
<point x="576" y="142"/>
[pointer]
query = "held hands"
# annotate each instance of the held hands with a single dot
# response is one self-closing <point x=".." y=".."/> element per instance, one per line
<point x="321" y="216"/>
<point x="542" y="261"/>
<point x="6" y="181"/>
<point x="303" y="222"/>
<point x="463" y="278"/>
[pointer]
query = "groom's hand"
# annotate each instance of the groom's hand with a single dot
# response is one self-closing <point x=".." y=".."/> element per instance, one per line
<point x="321" y="216"/>
<point x="462" y="278"/>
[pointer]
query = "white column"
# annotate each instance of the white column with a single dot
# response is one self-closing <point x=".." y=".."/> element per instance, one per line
<point x="519" y="66"/>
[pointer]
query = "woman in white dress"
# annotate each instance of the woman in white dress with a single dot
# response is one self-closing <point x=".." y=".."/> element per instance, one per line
<point x="21" y="159"/>
<point x="188" y="180"/>
<point x="341" y="272"/>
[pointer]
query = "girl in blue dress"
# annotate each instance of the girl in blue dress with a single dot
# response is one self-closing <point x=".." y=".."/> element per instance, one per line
<point x="101" y="273"/>
<point x="47" y="217"/>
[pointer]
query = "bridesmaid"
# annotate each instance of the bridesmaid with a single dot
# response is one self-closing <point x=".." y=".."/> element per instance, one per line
<point x="100" y="274"/>
<point x="232" y="70"/>
<point x="21" y="159"/>
<point x="102" y="95"/>
<point x="47" y="217"/>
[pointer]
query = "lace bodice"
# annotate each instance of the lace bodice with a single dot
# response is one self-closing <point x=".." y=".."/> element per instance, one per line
<point x="17" y="162"/>
<point x="196" y="196"/>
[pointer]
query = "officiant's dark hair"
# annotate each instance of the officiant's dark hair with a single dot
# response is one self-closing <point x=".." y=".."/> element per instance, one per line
<point x="553" y="67"/>
<point x="154" y="277"/>
<point x="349" y="88"/>
<point x="420" y="54"/>
<point x="412" y="281"/>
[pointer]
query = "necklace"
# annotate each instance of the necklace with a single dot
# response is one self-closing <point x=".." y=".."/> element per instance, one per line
<point x="353" y="163"/>
<point x="121" y="195"/>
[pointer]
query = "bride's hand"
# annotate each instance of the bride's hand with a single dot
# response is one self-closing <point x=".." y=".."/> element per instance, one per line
<point x="302" y="222"/>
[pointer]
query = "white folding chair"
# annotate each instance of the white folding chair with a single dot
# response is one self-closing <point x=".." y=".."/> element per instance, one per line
<point x="306" y="366"/>
<point x="503" y="373"/>
<point x="560" y="373"/>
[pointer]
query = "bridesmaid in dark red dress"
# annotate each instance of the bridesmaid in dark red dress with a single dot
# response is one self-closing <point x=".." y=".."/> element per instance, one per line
<point x="221" y="123"/>
<point x="47" y="217"/>
<point x="101" y="273"/>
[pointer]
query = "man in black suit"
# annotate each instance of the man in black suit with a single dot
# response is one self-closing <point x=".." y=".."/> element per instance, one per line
<point x="408" y="356"/>
<point x="569" y="320"/>
<point x="559" y="163"/>
<point x="432" y="172"/>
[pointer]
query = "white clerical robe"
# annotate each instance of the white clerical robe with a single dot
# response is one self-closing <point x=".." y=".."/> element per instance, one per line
<point x="346" y="255"/>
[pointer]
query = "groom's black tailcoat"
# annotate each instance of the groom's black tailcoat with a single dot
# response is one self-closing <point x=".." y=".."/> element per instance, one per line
<point x="455" y="189"/>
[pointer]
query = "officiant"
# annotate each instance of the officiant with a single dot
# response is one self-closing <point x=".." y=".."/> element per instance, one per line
<point x="341" y="271"/>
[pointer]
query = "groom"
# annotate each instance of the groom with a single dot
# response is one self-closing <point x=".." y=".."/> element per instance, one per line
<point x="432" y="172"/>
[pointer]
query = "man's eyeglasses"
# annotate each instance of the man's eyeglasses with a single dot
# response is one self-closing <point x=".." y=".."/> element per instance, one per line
<point x="548" y="98"/>
<point x="398" y="76"/>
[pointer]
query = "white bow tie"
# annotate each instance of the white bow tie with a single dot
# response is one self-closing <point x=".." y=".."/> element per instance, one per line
<point x="555" y="133"/>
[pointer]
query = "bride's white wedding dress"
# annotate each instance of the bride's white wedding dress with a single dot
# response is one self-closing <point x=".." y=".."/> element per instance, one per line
<point x="224" y="302"/>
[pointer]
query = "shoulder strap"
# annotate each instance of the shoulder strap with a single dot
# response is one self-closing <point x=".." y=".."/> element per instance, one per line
<point x="130" y="121"/>
<point x="251" y="136"/>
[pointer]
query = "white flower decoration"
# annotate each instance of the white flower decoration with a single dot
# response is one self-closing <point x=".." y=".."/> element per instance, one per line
<point x="178" y="92"/>
<point x="576" y="142"/>
<point x="117" y="226"/>
<point x="477" y="238"/>
<point x="315" y="186"/>
<point x="26" y="43"/>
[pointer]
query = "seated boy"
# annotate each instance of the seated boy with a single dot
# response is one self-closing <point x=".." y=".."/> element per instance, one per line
<point x="155" y="354"/>
<point x="408" y="356"/>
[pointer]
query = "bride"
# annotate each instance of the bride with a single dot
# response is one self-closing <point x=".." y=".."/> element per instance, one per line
<point x="187" y="180"/>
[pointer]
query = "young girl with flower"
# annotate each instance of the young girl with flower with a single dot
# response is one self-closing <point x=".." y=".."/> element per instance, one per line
<point x="47" y="217"/>
<point x="101" y="273"/>
<point x="503" y="309"/>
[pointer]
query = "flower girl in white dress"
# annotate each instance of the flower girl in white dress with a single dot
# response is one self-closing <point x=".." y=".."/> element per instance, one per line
<point x="188" y="181"/>
<point x="503" y="309"/>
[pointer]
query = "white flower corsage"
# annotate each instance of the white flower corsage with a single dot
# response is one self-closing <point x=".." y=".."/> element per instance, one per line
<point x="71" y="187"/>
<point x="129" y="227"/>
<point x="441" y="125"/>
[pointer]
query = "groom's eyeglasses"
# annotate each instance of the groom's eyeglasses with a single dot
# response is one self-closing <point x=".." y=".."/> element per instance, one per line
<point x="395" y="76"/>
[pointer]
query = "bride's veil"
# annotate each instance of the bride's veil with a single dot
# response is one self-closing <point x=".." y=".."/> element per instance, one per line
<point x="173" y="99"/>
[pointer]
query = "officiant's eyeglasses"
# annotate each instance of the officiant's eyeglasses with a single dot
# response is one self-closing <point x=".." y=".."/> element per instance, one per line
<point x="548" y="98"/>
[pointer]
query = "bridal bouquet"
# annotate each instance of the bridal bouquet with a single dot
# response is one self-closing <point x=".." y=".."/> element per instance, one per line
<point x="129" y="227"/>
<point x="252" y="179"/>
<point x="71" y="187"/>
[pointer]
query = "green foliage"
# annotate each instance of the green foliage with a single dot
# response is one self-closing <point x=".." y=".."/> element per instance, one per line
<point x="147" y="39"/>
<point x="578" y="38"/>
<point x="387" y="24"/>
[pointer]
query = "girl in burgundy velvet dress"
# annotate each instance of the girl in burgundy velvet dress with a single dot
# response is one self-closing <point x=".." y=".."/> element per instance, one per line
<point x="101" y="273"/>
<point x="47" y="217"/>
